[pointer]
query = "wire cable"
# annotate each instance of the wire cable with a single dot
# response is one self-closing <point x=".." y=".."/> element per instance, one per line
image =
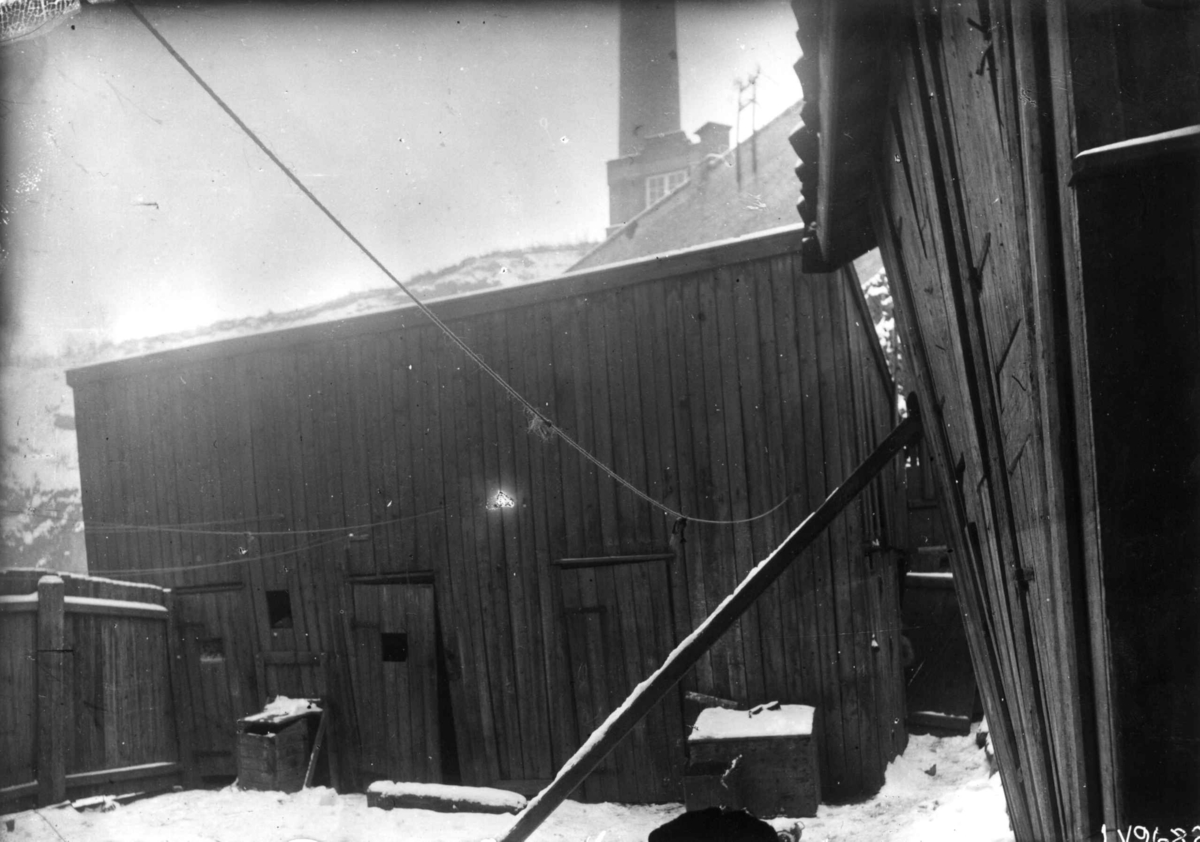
<point x="116" y="528"/>
<point x="545" y="423"/>
<point x="248" y="559"/>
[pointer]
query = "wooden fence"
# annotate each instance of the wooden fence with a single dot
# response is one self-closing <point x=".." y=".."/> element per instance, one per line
<point x="87" y="704"/>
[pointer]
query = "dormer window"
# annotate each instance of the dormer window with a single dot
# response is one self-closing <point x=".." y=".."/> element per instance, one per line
<point x="658" y="186"/>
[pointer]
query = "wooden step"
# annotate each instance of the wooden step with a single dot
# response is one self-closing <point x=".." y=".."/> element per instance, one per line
<point x="940" y="580"/>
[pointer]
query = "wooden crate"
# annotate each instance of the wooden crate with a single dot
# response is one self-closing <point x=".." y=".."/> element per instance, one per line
<point x="765" y="762"/>
<point x="274" y="758"/>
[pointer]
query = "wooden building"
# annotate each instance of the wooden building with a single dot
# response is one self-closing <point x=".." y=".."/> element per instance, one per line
<point x="354" y="510"/>
<point x="1029" y="171"/>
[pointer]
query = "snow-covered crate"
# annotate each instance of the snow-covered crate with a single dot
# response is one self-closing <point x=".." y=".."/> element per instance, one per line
<point x="764" y="760"/>
<point x="273" y="746"/>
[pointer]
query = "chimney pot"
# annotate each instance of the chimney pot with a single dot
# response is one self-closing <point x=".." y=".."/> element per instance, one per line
<point x="714" y="138"/>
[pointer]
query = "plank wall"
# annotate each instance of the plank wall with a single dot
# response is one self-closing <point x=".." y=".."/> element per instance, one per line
<point x="119" y="709"/>
<point x="960" y="261"/>
<point x="976" y="224"/>
<point x="18" y="702"/>
<point x="373" y="451"/>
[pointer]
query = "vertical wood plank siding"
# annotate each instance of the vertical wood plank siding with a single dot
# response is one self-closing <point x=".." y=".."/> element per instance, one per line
<point x="986" y="239"/>
<point x="961" y="270"/>
<point x="119" y="709"/>
<point x="718" y="390"/>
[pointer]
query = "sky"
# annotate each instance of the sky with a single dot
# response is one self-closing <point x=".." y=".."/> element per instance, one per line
<point x="133" y="206"/>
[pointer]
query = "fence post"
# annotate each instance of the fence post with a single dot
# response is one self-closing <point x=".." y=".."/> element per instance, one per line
<point x="52" y="691"/>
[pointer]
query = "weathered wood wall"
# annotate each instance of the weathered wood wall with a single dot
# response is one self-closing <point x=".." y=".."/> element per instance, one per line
<point x="1039" y="440"/>
<point x="961" y="260"/>
<point x="94" y="711"/>
<point x="1129" y="91"/>
<point x="353" y="465"/>
<point x="1143" y="331"/>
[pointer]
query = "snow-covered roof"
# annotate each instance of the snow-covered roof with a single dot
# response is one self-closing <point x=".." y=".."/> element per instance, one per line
<point x="714" y="204"/>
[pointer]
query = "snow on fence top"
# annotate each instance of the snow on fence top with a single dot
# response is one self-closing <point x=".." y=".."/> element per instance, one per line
<point x="80" y="577"/>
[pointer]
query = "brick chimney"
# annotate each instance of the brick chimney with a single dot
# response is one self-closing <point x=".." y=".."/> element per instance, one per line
<point x="649" y="73"/>
<point x="656" y="157"/>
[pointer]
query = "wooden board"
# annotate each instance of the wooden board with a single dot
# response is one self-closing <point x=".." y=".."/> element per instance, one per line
<point x="18" y="703"/>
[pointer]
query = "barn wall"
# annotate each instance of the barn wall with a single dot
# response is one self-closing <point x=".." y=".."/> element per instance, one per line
<point x="1016" y="294"/>
<point x="371" y="461"/>
<point x="963" y="219"/>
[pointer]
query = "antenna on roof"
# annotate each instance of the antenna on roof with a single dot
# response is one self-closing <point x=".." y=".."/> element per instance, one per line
<point x="749" y="84"/>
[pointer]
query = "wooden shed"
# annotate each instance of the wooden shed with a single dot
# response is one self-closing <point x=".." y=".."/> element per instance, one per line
<point x="1029" y="171"/>
<point x="355" y="511"/>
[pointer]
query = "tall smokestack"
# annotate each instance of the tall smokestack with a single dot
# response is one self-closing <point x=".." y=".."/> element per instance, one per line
<point x="649" y="73"/>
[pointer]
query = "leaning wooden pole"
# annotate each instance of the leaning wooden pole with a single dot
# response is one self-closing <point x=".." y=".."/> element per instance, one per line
<point x="650" y="691"/>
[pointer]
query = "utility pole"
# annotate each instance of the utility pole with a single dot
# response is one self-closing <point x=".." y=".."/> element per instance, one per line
<point x="750" y="84"/>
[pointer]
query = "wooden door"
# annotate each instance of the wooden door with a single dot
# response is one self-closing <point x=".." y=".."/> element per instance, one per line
<point x="619" y="626"/>
<point x="395" y="657"/>
<point x="219" y="668"/>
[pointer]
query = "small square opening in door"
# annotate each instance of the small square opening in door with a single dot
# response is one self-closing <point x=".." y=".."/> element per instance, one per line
<point x="279" y="609"/>
<point x="212" y="649"/>
<point x="394" y="646"/>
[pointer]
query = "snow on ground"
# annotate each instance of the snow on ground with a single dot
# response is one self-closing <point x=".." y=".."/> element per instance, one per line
<point x="959" y="801"/>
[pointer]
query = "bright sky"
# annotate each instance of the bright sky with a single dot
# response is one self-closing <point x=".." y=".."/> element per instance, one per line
<point x="133" y="206"/>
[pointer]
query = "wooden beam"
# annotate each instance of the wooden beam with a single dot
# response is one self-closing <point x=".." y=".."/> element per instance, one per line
<point x="650" y="691"/>
<point x="1135" y="152"/>
<point x="609" y="560"/>
<point x="12" y="793"/>
<point x="316" y="749"/>
<point x="114" y="607"/>
<point x="27" y="602"/>
<point x="124" y="773"/>
<point x="400" y="577"/>
<point x="929" y="581"/>
<point x="291" y="658"/>
<point x="53" y="693"/>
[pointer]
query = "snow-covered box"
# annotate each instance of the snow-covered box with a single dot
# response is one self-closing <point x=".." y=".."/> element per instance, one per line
<point x="273" y="746"/>
<point x="764" y="760"/>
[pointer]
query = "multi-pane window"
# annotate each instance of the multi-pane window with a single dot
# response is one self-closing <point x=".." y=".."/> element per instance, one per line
<point x="658" y="186"/>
